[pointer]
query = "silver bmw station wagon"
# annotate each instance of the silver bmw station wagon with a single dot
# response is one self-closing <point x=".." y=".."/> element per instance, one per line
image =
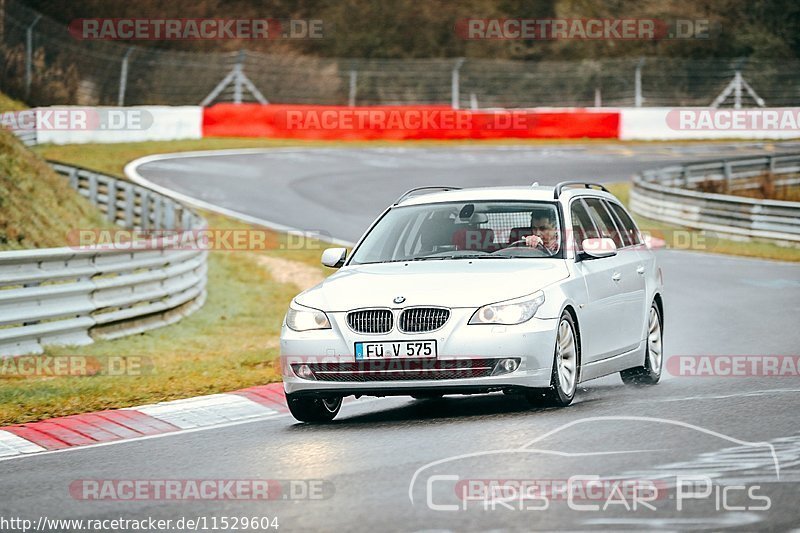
<point x="526" y="290"/>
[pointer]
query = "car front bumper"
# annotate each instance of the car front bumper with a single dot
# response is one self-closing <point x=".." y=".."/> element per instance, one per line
<point x="458" y="343"/>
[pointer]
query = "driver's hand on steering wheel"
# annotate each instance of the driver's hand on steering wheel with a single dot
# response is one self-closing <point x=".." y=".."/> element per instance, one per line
<point x="534" y="241"/>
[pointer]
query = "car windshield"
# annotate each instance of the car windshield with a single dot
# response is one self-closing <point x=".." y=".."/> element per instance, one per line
<point x="463" y="230"/>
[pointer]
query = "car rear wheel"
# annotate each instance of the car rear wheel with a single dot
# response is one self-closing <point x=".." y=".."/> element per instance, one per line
<point x="306" y="409"/>
<point x="650" y="373"/>
<point x="566" y="367"/>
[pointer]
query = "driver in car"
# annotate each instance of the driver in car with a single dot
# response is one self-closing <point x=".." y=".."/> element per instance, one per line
<point x="545" y="234"/>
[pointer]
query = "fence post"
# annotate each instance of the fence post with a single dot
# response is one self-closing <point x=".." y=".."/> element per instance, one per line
<point x="455" y="83"/>
<point x="351" y="99"/>
<point x="237" y="79"/>
<point x="123" y="77"/>
<point x="598" y="100"/>
<point x="29" y="56"/>
<point x="737" y="90"/>
<point x="637" y="84"/>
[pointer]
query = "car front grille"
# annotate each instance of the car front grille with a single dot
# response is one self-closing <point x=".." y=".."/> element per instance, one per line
<point x="370" y="321"/>
<point x="423" y="319"/>
<point x="402" y="370"/>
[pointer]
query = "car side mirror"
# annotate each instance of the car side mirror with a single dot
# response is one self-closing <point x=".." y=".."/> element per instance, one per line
<point x="334" y="257"/>
<point x="597" y="249"/>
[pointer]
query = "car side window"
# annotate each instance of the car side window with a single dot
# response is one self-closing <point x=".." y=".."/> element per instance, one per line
<point x="604" y="221"/>
<point x="623" y="233"/>
<point x="582" y="225"/>
<point x="626" y="223"/>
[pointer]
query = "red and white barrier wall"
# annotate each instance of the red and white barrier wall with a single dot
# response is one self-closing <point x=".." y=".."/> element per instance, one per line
<point x="406" y="122"/>
<point x="69" y="125"/>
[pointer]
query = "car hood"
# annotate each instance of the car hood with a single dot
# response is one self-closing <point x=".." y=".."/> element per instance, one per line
<point x="448" y="283"/>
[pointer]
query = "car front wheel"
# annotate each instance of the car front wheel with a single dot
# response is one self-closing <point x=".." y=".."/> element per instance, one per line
<point x="306" y="409"/>
<point x="650" y="373"/>
<point x="566" y="367"/>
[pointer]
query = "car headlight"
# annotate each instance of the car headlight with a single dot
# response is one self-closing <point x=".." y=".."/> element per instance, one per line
<point x="509" y="312"/>
<point x="301" y="318"/>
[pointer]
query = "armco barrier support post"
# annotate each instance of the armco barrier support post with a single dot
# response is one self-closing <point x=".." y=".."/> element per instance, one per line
<point x="93" y="188"/>
<point x="158" y="214"/>
<point x="111" y="201"/>
<point x="169" y="213"/>
<point x="726" y="166"/>
<point x="130" y="201"/>
<point x="73" y="178"/>
<point x="144" y="210"/>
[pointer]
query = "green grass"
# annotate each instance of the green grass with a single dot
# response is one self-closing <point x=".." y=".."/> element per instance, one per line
<point x="37" y="206"/>
<point x="9" y="104"/>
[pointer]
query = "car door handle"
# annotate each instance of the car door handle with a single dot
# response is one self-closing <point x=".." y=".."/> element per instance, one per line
<point x="640" y="270"/>
<point x="617" y="276"/>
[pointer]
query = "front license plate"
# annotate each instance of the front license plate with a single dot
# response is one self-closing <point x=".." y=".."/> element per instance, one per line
<point x="395" y="350"/>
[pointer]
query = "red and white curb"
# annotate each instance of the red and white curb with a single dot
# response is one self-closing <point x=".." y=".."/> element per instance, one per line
<point x="254" y="403"/>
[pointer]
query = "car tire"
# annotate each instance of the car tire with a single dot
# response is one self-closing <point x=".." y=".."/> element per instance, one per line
<point x="307" y="409"/>
<point x="566" y="367"/>
<point x="650" y="373"/>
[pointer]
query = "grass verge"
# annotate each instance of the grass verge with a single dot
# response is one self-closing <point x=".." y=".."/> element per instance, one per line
<point x="37" y="206"/>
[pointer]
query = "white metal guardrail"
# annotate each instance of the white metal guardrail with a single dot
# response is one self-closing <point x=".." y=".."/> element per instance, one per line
<point x="670" y="195"/>
<point x="70" y="296"/>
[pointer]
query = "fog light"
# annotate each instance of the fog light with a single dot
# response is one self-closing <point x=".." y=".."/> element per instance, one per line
<point x="304" y="372"/>
<point x="505" y="366"/>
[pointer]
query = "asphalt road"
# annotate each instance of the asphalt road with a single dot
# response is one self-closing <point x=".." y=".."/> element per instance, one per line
<point x="387" y="464"/>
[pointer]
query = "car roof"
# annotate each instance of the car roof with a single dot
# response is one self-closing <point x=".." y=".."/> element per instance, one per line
<point x="477" y="194"/>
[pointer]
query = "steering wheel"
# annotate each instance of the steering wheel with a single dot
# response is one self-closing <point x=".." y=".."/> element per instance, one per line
<point x="539" y="246"/>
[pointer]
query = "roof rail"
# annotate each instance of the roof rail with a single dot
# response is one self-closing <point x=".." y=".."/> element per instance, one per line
<point x="409" y="192"/>
<point x="586" y="184"/>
